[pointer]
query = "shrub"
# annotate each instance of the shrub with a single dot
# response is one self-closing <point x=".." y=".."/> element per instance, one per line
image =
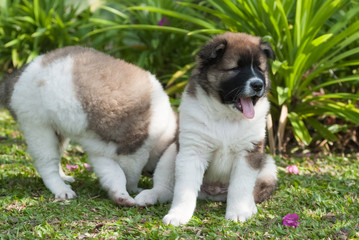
<point x="315" y="43"/>
<point x="28" y="28"/>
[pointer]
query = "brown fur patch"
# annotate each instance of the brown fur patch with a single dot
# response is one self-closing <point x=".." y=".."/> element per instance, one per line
<point x="115" y="95"/>
<point x="256" y="157"/>
<point x="263" y="189"/>
<point x="62" y="53"/>
<point x="7" y="87"/>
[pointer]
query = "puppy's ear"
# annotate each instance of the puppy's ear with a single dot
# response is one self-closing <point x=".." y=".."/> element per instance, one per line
<point x="212" y="51"/>
<point x="267" y="49"/>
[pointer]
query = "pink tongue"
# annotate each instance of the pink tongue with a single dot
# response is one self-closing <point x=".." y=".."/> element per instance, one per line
<point x="247" y="107"/>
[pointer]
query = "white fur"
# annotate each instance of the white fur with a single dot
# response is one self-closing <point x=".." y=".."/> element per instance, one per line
<point x="44" y="101"/>
<point x="214" y="139"/>
<point x="163" y="179"/>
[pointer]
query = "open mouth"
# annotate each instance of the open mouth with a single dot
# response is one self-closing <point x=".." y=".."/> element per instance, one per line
<point x="246" y="106"/>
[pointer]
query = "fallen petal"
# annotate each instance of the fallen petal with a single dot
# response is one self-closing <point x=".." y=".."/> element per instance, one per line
<point x="72" y="167"/>
<point x="292" y="169"/>
<point x="86" y="165"/>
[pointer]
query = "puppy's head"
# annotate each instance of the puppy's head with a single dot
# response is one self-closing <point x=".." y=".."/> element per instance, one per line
<point x="232" y="67"/>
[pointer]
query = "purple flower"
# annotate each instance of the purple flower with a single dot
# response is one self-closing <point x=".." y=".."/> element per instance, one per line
<point x="86" y="165"/>
<point x="290" y="220"/>
<point x="292" y="169"/>
<point x="164" y="22"/>
<point x="72" y="167"/>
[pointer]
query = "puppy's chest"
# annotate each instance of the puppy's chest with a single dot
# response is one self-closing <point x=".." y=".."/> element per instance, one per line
<point x="231" y="143"/>
<point x="232" y="137"/>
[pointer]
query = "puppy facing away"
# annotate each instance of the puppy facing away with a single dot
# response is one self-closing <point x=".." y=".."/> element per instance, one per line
<point x="118" y="112"/>
<point x="221" y="133"/>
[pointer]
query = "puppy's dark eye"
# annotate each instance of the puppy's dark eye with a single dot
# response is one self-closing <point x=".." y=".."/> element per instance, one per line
<point x="258" y="66"/>
<point x="234" y="69"/>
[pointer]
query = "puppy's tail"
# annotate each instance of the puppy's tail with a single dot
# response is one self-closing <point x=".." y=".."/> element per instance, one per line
<point x="7" y="86"/>
<point x="266" y="181"/>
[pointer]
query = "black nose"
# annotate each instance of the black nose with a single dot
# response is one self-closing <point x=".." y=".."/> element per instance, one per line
<point x="257" y="85"/>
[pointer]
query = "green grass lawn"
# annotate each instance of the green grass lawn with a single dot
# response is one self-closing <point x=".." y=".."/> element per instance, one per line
<point x="325" y="195"/>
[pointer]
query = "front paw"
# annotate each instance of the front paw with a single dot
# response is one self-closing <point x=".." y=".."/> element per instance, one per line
<point x="146" y="198"/>
<point x="176" y="218"/>
<point x="65" y="193"/>
<point x="122" y="199"/>
<point x="241" y="213"/>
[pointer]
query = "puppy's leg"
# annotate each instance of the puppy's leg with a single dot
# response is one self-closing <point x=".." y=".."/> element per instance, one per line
<point x="240" y="201"/>
<point x="190" y="167"/>
<point x="63" y="143"/>
<point x="112" y="179"/>
<point x="42" y="145"/>
<point x="132" y="166"/>
<point x="163" y="180"/>
<point x="266" y="181"/>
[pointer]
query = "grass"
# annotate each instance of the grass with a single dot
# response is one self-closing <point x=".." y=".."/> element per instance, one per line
<point x="325" y="195"/>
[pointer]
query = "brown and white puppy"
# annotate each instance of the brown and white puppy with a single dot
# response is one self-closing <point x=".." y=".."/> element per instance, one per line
<point x="118" y="112"/>
<point x="222" y="132"/>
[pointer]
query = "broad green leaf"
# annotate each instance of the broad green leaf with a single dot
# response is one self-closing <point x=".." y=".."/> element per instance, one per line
<point x="338" y="95"/>
<point x="335" y="81"/>
<point x="39" y="32"/>
<point x="174" y="14"/>
<point x="211" y="31"/>
<point x="37" y="11"/>
<point x="114" y="11"/>
<point x="276" y="65"/>
<point x="26" y="19"/>
<point x="177" y="88"/>
<point x="321" y="129"/>
<point x="102" y="21"/>
<point x="319" y="40"/>
<point x="146" y="27"/>
<point x="328" y="107"/>
<point x="12" y="43"/>
<point x="300" y="131"/>
<point x="282" y="94"/>
<point x="180" y="73"/>
<point x="15" y="57"/>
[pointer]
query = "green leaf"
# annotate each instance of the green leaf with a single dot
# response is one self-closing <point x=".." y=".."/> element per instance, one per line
<point x="335" y="81"/>
<point x="39" y="32"/>
<point x="211" y="31"/>
<point x="338" y="95"/>
<point x="282" y="94"/>
<point x="321" y="129"/>
<point x="180" y="73"/>
<point x="175" y="14"/>
<point x="12" y="43"/>
<point x="114" y="11"/>
<point x="300" y="131"/>
<point x="319" y="40"/>
<point x="26" y="19"/>
<point x="276" y="65"/>
<point x="102" y="21"/>
<point x="146" y="27"/>
<point x="177" y="88"/>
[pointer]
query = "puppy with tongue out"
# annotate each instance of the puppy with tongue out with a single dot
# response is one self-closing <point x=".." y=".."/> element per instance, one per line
<point x="222" y="131"/>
